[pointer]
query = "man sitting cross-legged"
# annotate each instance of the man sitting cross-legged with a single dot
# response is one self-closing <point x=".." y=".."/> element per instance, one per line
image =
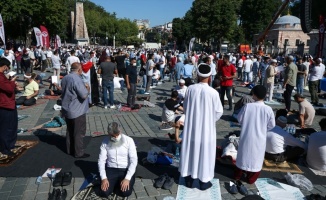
<point x="170" y="108"/>
<point x="281" y="145"/>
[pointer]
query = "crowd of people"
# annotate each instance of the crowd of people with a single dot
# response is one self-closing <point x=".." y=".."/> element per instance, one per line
<point x="84" y="76"/>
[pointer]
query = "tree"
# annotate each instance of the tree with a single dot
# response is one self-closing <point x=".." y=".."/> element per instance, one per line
<point x="255" y="15"/>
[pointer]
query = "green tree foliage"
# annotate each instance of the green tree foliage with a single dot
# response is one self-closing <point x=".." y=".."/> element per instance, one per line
<point x="255" y="15"/>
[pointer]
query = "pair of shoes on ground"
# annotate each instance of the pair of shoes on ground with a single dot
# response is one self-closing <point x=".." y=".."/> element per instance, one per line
<point x="58" y="194"/>
<point x="62" y="179"/>
<point x="112" y="107"/>
<point x="164" y="182"/>
<point x="166" y="126"/>
<point x="237" y="187"/>
<point x="202" y="185"/>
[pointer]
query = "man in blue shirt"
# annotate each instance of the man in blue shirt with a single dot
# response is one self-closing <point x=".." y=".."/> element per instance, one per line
<point x="262" y="69"/>
<point x="1" y="51"/>
<point x="179" y="67"/>
<point x="75" y="105"/>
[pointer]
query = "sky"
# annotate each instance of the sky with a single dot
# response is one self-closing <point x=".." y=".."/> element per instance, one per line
<point x="158" y="12"/>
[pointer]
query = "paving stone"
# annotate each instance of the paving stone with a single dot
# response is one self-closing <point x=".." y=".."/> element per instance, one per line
<point x="41" y="196"/>
<point x="15" y="197"/>
<point x="238" y="196"/>
<point x="18" y="190"/>
<point x="151" y="191"/>
<point x="28" y="195"/>
<point x="163" y="196"/>
<point x="138" y="187"/>
<point x="227" y="196"/>
<point x="223" y="190"/>
<point x="2" y="181"/>
<point x="7" y="186"/>
<point x="141" y="195"/>
<point x="163" y="192"/>
<point x="174" y="189"/>
<point x="4" y="195"/>
<point x="9" y="179"/>
<point x="132" y="196"/>
<point x="147" y="182"/>
<point x="44" y="187"/>
<point x="21" y="181"/>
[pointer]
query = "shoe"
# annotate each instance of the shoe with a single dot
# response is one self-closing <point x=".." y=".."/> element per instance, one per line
<point x="54" y="195"/>
<point x="233" y="188"/>
<point x="105" y="107"/>
<point x="146" y="93"/>
<point x="57" y="179"/>
<point x="152" y="86"/>
<point x="62" y="195"/>
<point x="85" y="155"/>
<point x="66" y="179"/>
<point x="113" y="107"/>
<point x="205" y="186"/>
<point x="159" y="182"/>
<point x="166" y="127"/>
<point x="241" y="188"/>
<point x="168" y="183"/>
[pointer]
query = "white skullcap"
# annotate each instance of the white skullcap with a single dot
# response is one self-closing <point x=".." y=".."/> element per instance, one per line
<point x="182" y="81"/>
<point x="204" y="70"/>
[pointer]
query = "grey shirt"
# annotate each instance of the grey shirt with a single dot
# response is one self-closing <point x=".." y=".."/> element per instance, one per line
<point x="107" y="70"/>
<point x="74" y="96"/>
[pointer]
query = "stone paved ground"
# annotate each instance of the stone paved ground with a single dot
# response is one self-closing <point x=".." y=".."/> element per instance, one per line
<point x="144" y="123"/>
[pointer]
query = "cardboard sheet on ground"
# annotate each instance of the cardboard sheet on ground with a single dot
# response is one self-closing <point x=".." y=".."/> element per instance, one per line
<point x="47" y="173"/>
<point x="54" y="79"/>
<point x="185" y="193"/>
<point x="272" y="190"/>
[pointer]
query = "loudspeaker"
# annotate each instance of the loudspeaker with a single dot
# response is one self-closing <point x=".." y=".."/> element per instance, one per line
<point x="305" y="15"/>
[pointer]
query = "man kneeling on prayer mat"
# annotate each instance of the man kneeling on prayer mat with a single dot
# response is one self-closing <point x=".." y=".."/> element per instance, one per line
<point x="170" y="108"/>
<point x="306" y="111"/>
<point x="117" y="162"/>
<point x="282" y="146"/>
<point x="255" y="119"/>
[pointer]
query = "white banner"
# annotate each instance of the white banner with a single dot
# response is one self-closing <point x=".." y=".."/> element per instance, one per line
<point x="58" y="40"/>
<point x="38" y="36"/>
<point x="191" y="43"/>
<point x="2" y="31"/>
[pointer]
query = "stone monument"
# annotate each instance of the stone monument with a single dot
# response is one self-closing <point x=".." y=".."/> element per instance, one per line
<point x="78" y="25"/>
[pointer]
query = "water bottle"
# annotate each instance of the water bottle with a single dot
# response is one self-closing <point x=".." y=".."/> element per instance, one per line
<point x="53" y="172"/>
<point x="39" y="180"/>
<point x="177" y="153"/>
<point x="21" y="131"/>
<point x="119" y="107"/>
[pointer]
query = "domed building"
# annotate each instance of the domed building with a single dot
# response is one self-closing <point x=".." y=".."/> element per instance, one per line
<point x="285" y="33"/>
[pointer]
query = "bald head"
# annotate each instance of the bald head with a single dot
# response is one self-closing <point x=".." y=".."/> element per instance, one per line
<point x="76" y="67"/>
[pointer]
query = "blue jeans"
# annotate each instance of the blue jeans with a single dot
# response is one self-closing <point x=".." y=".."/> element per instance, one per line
<point x="144" y="81"/>
<point x="246" y="76"/>
<point x="300" y="82"/>
<point x="162" y="73"/>
<point x="108" y="85"/>
<point x="212" y="80"/>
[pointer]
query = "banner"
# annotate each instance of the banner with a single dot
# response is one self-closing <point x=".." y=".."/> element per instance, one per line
<point x="38" y="36"/>
<point x="2" y="31"/>
<point x="321" y="35"/>
<point x="191" y="43"/>
<point x="57" y="42"/>
<point x="45" y="36"/>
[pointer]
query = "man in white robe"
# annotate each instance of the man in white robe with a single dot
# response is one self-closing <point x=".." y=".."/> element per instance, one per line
<point x="203" y="108"/>
<point x="255" y="119"/>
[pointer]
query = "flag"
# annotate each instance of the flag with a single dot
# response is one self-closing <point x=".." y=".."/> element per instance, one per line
<point x="38" y="36"/>
<point x="191" y="43"/>
<point x="57" y="42"/>
<point x="321" y="35"/>
<point x="2" y="31"/>
<point x="45" y="36"/>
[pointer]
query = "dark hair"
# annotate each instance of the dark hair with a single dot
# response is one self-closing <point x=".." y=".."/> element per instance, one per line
<point x="281" y="112"/>
<point x="55" y="52"/>
<point x="133" y="59"/>
<point x="4" y="61"/>
<point x="174" y="94"/>
<point x="227" y="57"/>
<point x="206" y="59"/>
<point x="322" y="123"/>
<point x="259" y="91"/>
<point x="72" y="51"/>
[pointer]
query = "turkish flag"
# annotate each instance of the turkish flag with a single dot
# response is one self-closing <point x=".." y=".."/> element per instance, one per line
<point x="45" y="36"/>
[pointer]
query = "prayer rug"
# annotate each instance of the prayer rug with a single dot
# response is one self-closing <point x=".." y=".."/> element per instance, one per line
<point x="270" y="190"/>
<point x="92" y="193"/>
<point x="128" y="109"/>
<point x="271" y="166"/>
<point x="97" y="134"/>
<point x="272" y="103"/>
<point x="21" y="117"/>
<point x="40" y="127"/>
<point x="20" y="148"/>
<point x="194" y="193"/>
<point x="38" y="102"/>
<point x="52" y="97"/>
<point x="318" y="172"/>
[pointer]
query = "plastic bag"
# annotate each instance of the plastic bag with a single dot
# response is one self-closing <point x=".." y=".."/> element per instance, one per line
<point x="299" y="181"/>
<point x="152" y="155"/>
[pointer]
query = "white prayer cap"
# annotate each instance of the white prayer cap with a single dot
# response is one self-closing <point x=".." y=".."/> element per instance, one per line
<point x="204" y="70"/>
<point x="27" y="49"/>
<point x="282" y="119"/>
<point x="182" y="81"/>
<point x="27" y="76"/>
<point x="273" y="61"/>
<point x="321" y="60"/>
<point x="291" y="57"/>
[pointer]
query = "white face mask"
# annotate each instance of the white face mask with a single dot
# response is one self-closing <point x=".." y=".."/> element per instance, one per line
<point x="133" y="64"/>
<point x="117" y="139"/>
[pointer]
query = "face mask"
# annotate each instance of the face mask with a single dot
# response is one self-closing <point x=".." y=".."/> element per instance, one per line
<point x="6" y="54"/>
<point x="133" y="64"/>
<point x="117" y="139"/>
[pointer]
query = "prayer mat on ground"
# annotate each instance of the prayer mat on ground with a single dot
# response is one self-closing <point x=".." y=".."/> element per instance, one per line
<point x="270" y="190"/>
<point x="21" y="117"/>
<point x="97" y="134"/>
<point x="285" y="166"/>
<point x="128" y="109"/>
<point x="20" y="148"/>
<point x="91" y="193"/>
<point x="318" y="172"/>
<point x="38" y="102"/>
<point x="194" y="193"/>
<point x="51" y="97"/>
<point x="40" y="127"/>
<point x="272" y="103"/>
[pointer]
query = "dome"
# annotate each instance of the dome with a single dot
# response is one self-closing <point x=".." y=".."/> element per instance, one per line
<point x="288" y="19"/>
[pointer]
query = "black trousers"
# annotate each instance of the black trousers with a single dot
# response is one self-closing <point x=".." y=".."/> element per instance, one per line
<point x="26" y="102"/>
<point x="132" y="94"/>
<point x="287" y="96"/>
<point x="227" y="90"/>
<point x="76" y="130"/>
<point x="115" y="176"/>
<point x="8" y="129"/>
<point x="291" y="153"/>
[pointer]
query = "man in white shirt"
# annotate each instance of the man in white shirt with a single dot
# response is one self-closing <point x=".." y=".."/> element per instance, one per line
<point x="247" y="65"/>
<point x="239" y="69"/>
<point x="281" y="145"/>
<point x="71" y="59"/>
<point x="181" y="89"/>
<point x="316" y="153"/>
<point x="49" y="54"/>
<point x="162" y="62"/>
<point x="117" y="162"/>
<point x="321" y="74"/>
<point x="9" y="57"/>
<point x="315" y="72"/>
